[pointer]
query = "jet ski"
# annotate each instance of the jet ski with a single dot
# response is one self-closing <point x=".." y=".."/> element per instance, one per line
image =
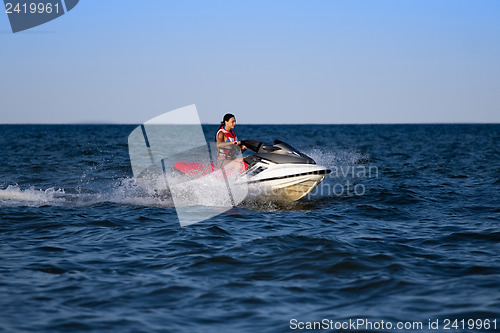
<point x="278" y="170"/>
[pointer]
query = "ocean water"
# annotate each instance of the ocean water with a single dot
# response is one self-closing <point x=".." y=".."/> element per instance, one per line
<point x="406" y="229"/>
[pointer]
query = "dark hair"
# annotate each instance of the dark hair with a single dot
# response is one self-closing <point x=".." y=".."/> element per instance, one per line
<point x="227" y="116"/>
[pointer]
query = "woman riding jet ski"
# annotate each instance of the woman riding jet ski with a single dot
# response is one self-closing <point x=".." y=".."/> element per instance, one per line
<point x="278" y="171"/>
<point x="159" y="153"/>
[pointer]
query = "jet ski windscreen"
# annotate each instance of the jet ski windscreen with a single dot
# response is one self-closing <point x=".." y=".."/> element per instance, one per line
<point x="253" y="145"/>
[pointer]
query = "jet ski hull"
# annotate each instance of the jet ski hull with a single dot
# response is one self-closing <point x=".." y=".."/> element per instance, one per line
<point x="288" y="183"/>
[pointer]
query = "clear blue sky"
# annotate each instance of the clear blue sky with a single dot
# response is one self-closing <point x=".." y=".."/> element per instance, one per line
<point x="308" y="61"/>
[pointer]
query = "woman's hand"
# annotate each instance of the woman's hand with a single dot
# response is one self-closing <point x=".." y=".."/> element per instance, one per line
<point x="242" y="147"/>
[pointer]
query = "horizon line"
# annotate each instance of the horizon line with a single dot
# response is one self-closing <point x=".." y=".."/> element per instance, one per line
<point x="261" y="124"/>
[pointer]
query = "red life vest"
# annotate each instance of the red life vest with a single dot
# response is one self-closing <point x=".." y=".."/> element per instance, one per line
<point x="227" y="153"/>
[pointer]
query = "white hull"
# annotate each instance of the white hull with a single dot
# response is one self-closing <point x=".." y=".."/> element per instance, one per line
<point x="287" y="182"/>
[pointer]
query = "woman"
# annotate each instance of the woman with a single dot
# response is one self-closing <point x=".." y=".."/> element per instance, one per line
<point x="227" y="141"/>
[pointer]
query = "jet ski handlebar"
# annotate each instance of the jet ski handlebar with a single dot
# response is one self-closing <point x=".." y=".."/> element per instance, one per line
<point x="258" y="146"/>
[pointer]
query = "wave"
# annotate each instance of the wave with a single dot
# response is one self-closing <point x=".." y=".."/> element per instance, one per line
<point x="338" y="158"/>
<point x="129" y="191"/>
<point x="123" y="192"/>
<point x="14" y="195"/>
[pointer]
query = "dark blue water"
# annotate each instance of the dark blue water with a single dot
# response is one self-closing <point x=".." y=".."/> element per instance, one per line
<point x="406" y="229"/>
